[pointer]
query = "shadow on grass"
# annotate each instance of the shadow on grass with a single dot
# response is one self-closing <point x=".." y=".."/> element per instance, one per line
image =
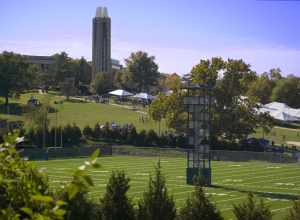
<point x="260" y="194"/>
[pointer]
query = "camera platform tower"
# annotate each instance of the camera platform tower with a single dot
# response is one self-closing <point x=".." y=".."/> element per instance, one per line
<point x="198" y="105"/>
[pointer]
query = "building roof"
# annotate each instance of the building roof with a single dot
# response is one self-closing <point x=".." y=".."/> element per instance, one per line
<point x="101" y="12"/>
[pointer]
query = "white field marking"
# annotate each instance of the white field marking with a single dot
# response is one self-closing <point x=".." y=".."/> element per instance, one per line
<point x="164" y="161"/>
<point x="100" y="171"/>
<point x="285" y="184"/>
<point x="235" y="165"/>
<point x="273" y="167"/>
<point x="282" y="200"/>
<point x="180" y="177"/>
<point x="141" y="174"/>
<point x="216" y="194"/>
<point x="276" y="210"/>
<point x="251" y="177"/>
<point x="270" y="179"/>
<point x="59" y="181"/>
<point x="64" y="168"/>
<point x="254" y="170"/>
<point x="233" y="180"/>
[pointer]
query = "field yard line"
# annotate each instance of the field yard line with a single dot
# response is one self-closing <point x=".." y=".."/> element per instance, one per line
<point x="276" y="172"/>
<point x="255" y="170"/>
<point x="269" y="179"/>
<point x="276" y="210"/>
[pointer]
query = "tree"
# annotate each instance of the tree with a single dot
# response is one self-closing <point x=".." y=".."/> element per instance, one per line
<point x="198" y="206"/>
<point x="234" y="117"/>
<point x="173" y="82"/>
<point x="85" y="71"/>
<point x="102" y="83"/>
<point x="261" y="89"/>
<point x="25" y="191"/>
<point x="61" y="68"/>
<point x="294" y="213"/>
<point x="251" y="210"/>
<point x="141" y="72"/>
<point x="87" y="132"/>
<point x="207" y="71"/>
<point x="156" y="203"/>
<point x="14" y="74"/>
<point x="275" y="74"/>
<point x="158" y="110"/>
<point x="287" y="90"/>
<point x="115" y="204"/>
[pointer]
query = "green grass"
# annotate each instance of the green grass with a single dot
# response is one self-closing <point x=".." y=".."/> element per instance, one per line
<point x="276" y="183"/>
<point x="89" y="113"/>
<point x="280" y="135"/>
<point x="86" y="113"/>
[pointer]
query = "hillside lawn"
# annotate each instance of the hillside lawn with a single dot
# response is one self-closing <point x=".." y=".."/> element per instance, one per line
<point x="89" y="113"/>
<point x="86" y="113"/>
<point x="276" y="183"/>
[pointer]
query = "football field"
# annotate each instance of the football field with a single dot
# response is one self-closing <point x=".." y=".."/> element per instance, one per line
<point x="276" y="183"/>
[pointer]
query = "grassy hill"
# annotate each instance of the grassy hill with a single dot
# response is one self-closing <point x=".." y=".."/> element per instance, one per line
<point x="89" y="113"/>
<point x="84" y="113"/>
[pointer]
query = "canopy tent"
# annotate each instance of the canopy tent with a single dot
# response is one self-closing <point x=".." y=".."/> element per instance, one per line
<point x="120" y="92"/>
<point x="282" y="116"/>
<point x="280" y="111"/>
<point x="278" y="106"/>
<point x="144" y="96"/>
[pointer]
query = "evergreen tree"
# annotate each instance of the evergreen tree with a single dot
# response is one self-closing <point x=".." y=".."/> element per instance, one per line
<point x="115" y="204"/>
<point x="97" y="131"/>
<point x="87" y="131"/>
<point x="132" y="135"/>
<point x="294" y="213"/>
<point x="199" y="207"/>
<point x="156" y="203"/>
<point x="251" y="210"/>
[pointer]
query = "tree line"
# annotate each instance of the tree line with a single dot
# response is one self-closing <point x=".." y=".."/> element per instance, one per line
<point x="26" y="194"/>
<point x="238" y="92"/>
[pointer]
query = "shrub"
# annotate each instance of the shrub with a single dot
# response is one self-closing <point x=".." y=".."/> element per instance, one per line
<point x="97" y="133"/>
<point x="250" y="210"/>
<point x="132" y="135"/>
<point x="141" y="138"/>
<point x="199" y="207"/>
<point x="80" y="207"/>
<point x="24" y="191"/>
<point x="294" y="213"/>
<point x="115" y="204"/>
<point x="87" y="132"/>
<point x="156" y="203"/>
<point x="151" y="138"/>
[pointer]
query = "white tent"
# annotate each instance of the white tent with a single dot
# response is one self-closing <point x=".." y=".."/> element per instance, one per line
<point x="282" y="116"/>
<point x="143" y="95"/>
<point x="278" y="106"/>
<point x="281" y="111"/>
<point x="120" y="92"/>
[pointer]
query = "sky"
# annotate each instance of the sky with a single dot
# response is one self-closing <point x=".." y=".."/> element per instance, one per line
<point x="264" y="33"/>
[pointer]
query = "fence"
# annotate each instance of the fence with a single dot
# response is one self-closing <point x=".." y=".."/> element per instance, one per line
<point x="219" y="155"/>
<point x="64" y="152"/>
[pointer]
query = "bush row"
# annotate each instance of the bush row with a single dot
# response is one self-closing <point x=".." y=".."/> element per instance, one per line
<point x="129" y="135"/>
<point x="71" y="135"/>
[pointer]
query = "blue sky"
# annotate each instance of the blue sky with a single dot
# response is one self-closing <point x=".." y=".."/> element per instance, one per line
<point x="178" y="33"/>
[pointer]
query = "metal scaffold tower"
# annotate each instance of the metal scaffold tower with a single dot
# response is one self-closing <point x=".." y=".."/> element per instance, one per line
<point x="198" y="102"/>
